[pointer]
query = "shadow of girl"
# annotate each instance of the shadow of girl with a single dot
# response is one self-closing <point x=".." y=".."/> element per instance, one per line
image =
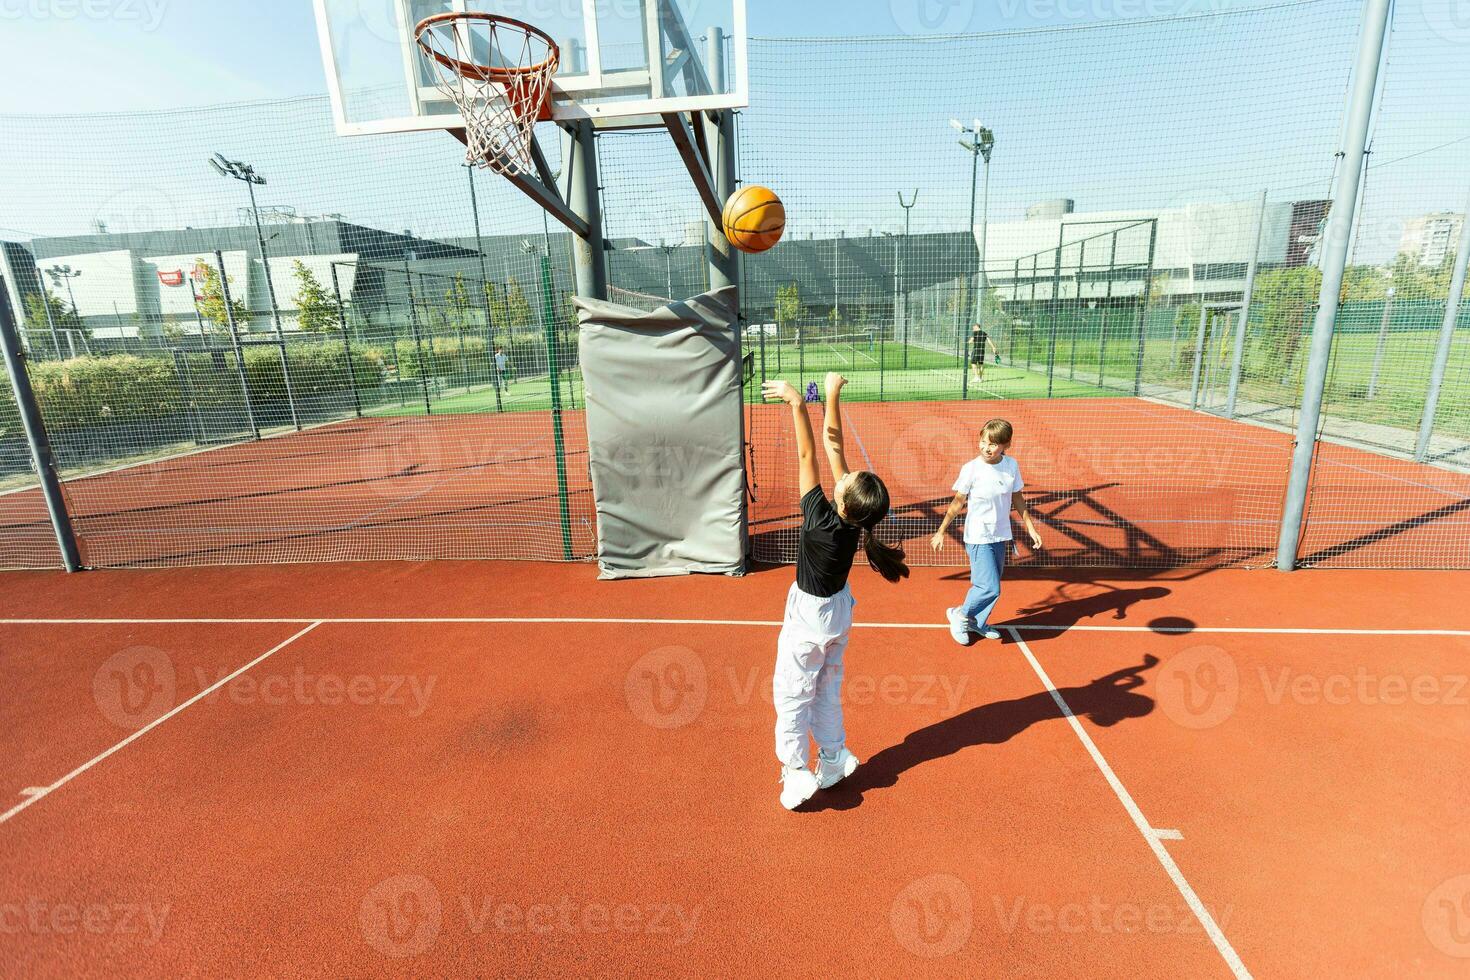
<point x="1104" y="701"/>
<point x="1070" y="611"/>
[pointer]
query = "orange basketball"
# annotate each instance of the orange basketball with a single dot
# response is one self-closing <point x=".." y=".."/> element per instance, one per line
<point x="754" y="219"/>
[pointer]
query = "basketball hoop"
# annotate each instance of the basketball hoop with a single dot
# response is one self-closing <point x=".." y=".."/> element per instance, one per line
<point x="498" y="72"/>
<point x="173" y="277"/>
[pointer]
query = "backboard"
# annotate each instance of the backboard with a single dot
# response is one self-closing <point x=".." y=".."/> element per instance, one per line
<point x="622" y="61"/>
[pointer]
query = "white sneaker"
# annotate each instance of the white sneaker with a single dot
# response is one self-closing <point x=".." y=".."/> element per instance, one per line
<point x="830" y="773"/>
<point x="959" y="627"/>
<point x="990" y="633"/>
<point x="797" y="786"/>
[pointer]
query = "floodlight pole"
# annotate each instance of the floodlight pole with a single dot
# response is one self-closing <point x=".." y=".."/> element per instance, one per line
<point x="246" y="173"/>
<point x="46" y="305"/>
<point x="35" y="429"/>
<point x="1446" y="337"/>
<point x="668" y="251"/>
<point x="50" y="318"/>
<point x="224" y="292"/>
<point x="897" y="282"/>
<point x="1334" y="253"/>
<point x="980" y="143"/>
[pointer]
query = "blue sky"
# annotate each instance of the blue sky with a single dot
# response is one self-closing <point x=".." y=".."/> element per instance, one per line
<point x="1117" y="103"/>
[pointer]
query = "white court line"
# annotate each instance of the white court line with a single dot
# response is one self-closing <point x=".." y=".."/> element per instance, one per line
<point x="763" y="623"/>
<point x="37" y="793"/>
<point x="1150" y="836"/>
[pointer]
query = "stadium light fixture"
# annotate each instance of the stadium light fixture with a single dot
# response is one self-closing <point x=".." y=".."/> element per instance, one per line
<point x="959" y="126"/>
<point x="245" y="172"/>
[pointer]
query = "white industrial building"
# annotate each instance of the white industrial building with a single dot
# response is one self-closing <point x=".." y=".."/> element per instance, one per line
<point x="1197" y="249"/>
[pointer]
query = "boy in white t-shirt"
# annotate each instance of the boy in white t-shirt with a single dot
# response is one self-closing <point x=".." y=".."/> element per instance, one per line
<point x="989" y="485"/>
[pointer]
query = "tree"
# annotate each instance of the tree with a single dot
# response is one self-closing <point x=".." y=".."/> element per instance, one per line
<point x="457" y="304"/>
<point x="212" y="299"/>
<point x="1285" y="298"/>
<point x="788" y="305"/>
<point x="517" y="308"/>
<point x="495" y="299"/>
<point x="38" y="327"/>
<point x="316" y="310"/>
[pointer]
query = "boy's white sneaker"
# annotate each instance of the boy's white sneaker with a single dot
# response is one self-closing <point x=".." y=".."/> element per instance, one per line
<point x="959" y="627"/>
<point x="830" y="772"/>
<point x="990" y="633"/>
<point x="797" y="786"/>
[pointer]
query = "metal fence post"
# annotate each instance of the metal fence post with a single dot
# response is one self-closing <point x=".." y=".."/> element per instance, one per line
<point x="1143" y="298"/>
<point x="1237" y="358"/>
<point x="35" y="430"/>
<point x="224" y="292"/>
<point x="1334" y="260"/>
<point x="418" y="345"/>
<point x="1199" y="356"/>
<point x="1446" y="336"/>
<point x="559" y="445"/>
<point x="1056" y="310"/>
<point x="1382" y="342"/>
<point x="346" y="342"/>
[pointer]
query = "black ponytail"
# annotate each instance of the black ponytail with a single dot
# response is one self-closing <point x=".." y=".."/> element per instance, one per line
<point x="886" y="559"/>
<point x="866" y="504"/>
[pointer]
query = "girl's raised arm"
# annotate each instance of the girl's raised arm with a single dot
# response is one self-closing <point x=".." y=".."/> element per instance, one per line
<point x="832" y="437"/>
<point x="806" y="450"/>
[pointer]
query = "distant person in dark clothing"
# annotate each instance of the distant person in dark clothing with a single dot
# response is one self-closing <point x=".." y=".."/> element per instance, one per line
<point x="979" y="341"/>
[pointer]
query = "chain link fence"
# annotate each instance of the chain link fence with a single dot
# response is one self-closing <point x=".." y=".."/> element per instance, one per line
<point x="379" y="361"/>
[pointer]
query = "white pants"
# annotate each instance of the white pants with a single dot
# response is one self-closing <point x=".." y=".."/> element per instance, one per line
<point x="807" y="684"/>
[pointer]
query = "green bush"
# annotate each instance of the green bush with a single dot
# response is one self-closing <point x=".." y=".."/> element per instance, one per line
<point x="88" y="391"/>
<point x="91" y="390"/>
<point x="316" y="369"/>
<point x="442" y="355"/>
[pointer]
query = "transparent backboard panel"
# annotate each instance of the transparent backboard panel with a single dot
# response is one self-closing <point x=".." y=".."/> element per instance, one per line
<point x="621" y="61"/>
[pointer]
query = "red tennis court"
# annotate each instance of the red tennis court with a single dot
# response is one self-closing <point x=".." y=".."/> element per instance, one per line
<point x="1120" y="483"/>
<point x="430" y="768"/>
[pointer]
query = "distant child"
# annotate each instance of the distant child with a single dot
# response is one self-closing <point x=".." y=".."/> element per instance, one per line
<point x="807" y="686"/>
<point x="979" y="340"/>
<point x="502" y="369"/>
<point x="989" y="485"/>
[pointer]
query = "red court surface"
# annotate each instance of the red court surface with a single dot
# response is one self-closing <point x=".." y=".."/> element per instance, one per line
<point x="1119" y="482"/>
<point x="430" y="769"/>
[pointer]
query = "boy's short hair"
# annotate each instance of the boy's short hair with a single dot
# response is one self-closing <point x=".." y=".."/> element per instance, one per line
<point x="998" y="430"/>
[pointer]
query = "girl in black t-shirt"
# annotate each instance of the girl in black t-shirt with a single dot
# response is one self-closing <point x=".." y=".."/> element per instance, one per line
<point x="808" y="678"/>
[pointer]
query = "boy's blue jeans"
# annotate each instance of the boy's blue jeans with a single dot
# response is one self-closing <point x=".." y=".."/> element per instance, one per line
<point x="987" y="561"/>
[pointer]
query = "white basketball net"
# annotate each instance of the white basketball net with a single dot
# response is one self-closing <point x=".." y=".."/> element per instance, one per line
<point x="498" y="72"/>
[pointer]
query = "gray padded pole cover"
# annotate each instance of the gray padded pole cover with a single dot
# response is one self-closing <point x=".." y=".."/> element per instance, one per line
<point x="665" y="435"/>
